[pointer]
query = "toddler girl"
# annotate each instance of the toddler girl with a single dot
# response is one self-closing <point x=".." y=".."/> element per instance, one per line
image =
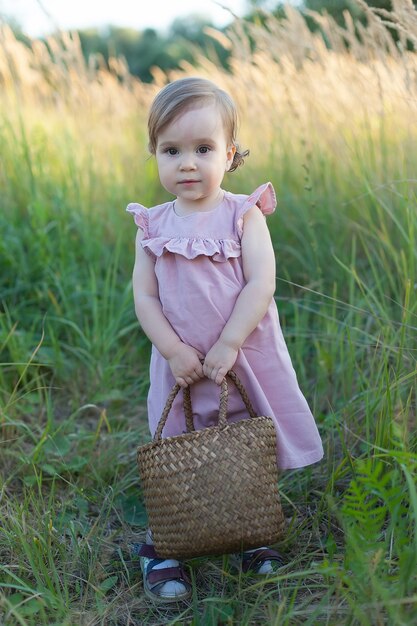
<point x="203" y="281"/>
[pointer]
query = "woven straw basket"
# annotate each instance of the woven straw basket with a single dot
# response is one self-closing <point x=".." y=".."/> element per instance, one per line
<point x="212" y="491"/>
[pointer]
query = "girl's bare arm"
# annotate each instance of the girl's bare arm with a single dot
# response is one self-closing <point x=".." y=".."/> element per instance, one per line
<point x="252" y="303"/>
<point x="184" y="360"/>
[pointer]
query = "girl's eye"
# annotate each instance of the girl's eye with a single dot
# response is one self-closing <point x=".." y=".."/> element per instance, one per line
<point x="172" y="151"/>
<point x="203" y="149"/>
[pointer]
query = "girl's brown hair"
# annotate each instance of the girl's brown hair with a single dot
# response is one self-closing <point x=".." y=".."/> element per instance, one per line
<point x="184" y="94"/>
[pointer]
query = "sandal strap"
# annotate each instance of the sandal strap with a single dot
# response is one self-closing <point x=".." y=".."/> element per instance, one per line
<point x="156" y="577"/>
<point x="166" y="574"/>
<point x="145" y="549"/>
<point x="251" y="559"/>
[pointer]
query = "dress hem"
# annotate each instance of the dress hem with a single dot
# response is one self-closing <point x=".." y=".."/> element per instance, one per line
<point x="297" y="463"/>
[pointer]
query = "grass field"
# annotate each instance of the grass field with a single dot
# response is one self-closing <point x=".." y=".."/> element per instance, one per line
<point x="335" y="131"/>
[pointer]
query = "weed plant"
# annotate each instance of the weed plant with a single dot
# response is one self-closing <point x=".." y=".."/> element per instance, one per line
<point x="334" y="129"/>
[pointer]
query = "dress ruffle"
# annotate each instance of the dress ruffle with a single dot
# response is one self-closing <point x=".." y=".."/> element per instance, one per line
<point x="263" y="197"/>
<point x="140" y="215"/>
<point x="219" y="250"/>
<point x="191" y="247"/>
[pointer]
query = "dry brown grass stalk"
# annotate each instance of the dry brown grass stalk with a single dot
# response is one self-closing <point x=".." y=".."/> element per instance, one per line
<point x="282" y="75"/>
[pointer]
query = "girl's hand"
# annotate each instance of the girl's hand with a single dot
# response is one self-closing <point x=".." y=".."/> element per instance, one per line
<point x="186" y="365"/>
<point x="219" y="360"/>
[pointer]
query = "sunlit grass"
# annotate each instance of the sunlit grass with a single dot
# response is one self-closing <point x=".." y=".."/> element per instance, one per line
<point x="335" y="132"/>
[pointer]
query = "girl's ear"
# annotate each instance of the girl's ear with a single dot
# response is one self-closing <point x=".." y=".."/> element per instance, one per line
<point x="231" y="150"/>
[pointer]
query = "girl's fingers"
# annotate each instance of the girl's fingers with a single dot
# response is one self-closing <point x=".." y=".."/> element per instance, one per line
<point x="193" y="377"/>
<point x="199" y="371"/>
<point x="208" y="372"/>
<point x="221" y="373"/>
<point x="216" y="375"/>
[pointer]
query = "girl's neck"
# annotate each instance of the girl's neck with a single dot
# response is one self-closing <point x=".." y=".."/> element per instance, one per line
<point x="204" y="205"/>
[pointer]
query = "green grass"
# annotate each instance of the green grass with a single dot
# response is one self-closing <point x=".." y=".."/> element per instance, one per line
<point x="73" y="372"/>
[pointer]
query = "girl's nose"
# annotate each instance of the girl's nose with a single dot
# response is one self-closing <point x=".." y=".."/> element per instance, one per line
<point x="187" y="162"/>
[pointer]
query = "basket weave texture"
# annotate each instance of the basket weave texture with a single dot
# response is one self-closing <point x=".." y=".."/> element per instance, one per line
<point x="212" y="491"/>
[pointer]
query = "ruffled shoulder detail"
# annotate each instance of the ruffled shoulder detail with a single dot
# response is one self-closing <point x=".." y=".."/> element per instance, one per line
<point x="140" y="215"/>
<point x="263" y="197"/>
<point x="191" y="247"/>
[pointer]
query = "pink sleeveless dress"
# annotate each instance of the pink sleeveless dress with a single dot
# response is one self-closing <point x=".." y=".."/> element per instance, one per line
<point x="198" y="266"/>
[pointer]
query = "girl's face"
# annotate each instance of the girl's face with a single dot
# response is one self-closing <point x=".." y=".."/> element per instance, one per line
<point x="193" y="155"/>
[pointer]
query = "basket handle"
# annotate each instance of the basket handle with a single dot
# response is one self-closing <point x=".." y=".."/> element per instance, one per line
<point x="188" y="411"/>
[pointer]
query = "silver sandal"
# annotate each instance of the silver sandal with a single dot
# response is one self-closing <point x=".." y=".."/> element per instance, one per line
<point x="260" y="562"/>
<point x="162" y="585"/>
